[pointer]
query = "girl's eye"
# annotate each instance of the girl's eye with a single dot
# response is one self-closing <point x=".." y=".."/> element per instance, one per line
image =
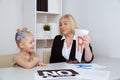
<point x="60" y="24"/>
<point x="30" y="42"/>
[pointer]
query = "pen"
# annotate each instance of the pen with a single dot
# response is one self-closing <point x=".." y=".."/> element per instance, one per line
<point x="84" y="66"/>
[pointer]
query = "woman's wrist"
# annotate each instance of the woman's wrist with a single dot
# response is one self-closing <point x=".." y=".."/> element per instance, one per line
<point x="87" y="46"/>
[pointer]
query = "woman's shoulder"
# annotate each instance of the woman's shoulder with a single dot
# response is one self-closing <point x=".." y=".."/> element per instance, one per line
<point x="58" y="37"/>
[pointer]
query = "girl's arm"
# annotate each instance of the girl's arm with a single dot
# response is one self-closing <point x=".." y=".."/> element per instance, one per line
<point x="41" y="64"/>
<point x="27" y="64"/>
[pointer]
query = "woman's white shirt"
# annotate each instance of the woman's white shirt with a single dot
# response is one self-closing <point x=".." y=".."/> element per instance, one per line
<point x="66" y="51"/>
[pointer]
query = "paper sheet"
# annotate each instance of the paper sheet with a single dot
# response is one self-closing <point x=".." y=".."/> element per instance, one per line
<point x="79" y="33"/>
<point x="95" y="75"/>
<point x="92" y="71"/>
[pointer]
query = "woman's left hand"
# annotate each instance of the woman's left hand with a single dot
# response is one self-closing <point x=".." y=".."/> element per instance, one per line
<point x="86" y="40"/>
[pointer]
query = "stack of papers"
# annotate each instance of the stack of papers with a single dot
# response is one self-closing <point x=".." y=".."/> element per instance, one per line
<point x="75" y="72"/>
<point x="92" y="71"/>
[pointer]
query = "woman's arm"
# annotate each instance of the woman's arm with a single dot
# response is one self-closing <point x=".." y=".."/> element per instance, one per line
<point x="53" y="52"/>
<point x="56" y="51"/>
<point x="88" y="55"/>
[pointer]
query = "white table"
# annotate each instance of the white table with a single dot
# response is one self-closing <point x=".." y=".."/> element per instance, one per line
<point x="17" y="73"/>
<point x="112" y="65"/>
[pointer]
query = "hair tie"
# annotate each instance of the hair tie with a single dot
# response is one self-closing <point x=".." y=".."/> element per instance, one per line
<point x="20" y="35"/>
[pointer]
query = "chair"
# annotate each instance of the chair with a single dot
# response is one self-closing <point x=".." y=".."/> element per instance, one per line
<point x="6" y="60"/>
<point x="46" y="57"/>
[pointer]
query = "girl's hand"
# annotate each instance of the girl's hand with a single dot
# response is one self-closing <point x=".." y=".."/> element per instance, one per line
<point x="86" y="40"/>
<point x="41" y="64"/>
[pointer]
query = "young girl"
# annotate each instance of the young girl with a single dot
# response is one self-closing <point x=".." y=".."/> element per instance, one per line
<point x="26" y="57"/>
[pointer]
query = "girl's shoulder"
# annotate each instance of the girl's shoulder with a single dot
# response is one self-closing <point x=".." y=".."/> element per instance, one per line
<point x="15" y="58"/>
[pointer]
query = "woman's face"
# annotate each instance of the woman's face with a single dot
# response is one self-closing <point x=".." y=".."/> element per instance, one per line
<point x="65" y="26"/>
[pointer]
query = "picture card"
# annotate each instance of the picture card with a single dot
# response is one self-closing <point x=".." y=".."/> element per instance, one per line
<point x="58" y="73"/>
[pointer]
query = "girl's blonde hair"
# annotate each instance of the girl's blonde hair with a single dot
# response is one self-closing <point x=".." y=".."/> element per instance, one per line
<point x="72" y="22"/>
<point x="20" y="34"/>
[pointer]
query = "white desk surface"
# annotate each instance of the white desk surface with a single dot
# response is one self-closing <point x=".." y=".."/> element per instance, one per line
<point x="17" y="73"/>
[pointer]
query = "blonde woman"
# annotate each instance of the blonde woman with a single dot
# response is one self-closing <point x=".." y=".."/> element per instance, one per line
<point x="64" y="45"/>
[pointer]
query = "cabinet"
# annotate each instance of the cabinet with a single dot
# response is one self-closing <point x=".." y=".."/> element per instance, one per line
<point x="35" y="18"/>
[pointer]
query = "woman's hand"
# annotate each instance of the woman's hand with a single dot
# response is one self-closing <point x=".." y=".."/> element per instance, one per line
<point x="86" y="40"/>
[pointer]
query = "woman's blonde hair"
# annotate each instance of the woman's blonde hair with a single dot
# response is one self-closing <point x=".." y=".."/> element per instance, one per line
<point x="72" y="22"/>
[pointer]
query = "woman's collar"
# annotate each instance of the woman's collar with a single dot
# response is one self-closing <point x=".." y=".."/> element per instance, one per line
<point x="63" y="37"/>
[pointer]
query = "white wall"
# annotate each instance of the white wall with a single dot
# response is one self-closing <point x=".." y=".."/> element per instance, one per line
<point x="11" y="17"/>
<point x="102" y="18"/>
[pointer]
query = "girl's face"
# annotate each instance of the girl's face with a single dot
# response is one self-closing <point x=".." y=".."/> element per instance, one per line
<point x="28" y="44"/>
<point x="65" y="26"/>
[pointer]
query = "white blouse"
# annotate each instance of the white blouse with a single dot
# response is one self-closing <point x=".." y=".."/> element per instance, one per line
<point x="66" y="51"/>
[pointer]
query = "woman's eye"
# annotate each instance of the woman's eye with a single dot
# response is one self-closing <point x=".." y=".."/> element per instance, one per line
<point x="65" y="23"/>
